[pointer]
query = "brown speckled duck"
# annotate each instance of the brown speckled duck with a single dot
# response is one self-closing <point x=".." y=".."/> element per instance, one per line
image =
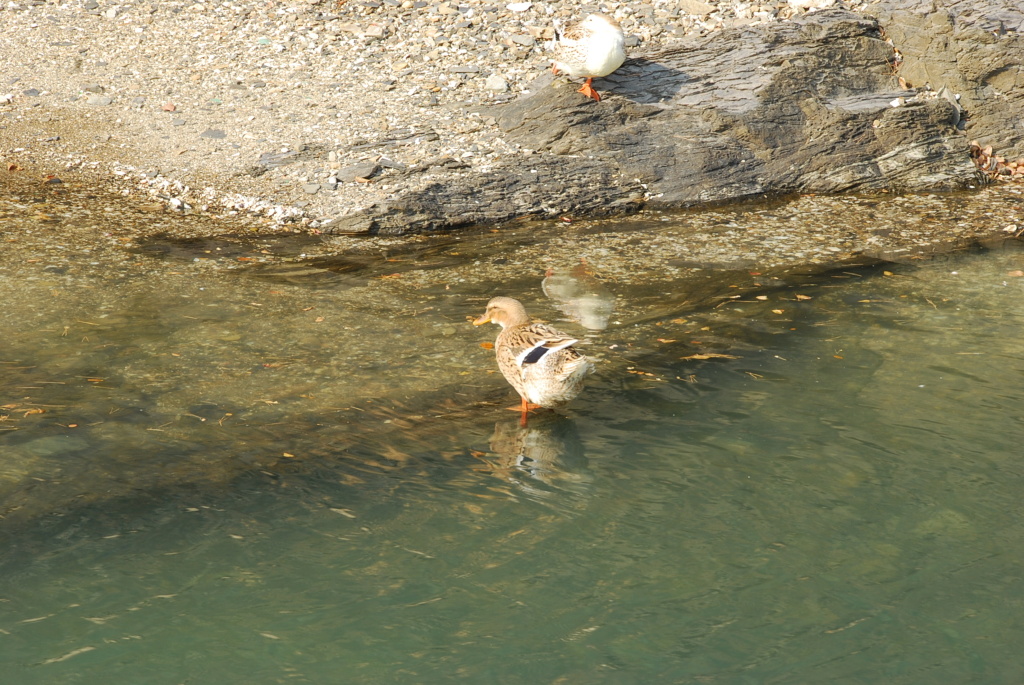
<point x="536" y="359"/>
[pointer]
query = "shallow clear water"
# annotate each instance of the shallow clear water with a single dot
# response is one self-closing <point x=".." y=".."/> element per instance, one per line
<point x="234" y="502"/>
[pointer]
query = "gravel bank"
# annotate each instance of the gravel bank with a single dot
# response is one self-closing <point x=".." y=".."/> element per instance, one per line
<point x="300" y="111"/>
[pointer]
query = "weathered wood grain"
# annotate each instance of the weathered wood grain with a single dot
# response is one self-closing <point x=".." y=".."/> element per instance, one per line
<point x="791" y="107"/>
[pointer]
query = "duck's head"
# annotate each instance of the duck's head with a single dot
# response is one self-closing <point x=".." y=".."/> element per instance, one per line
<point x="601" y="24"/>
<point x="505" y="312"/>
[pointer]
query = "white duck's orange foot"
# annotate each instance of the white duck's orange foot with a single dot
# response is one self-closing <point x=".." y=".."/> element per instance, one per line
<point x="589" y="91"/>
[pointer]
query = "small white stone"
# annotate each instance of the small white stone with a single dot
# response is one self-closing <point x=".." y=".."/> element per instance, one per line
<point x="811" y="4"/>
<point x="496" y="83"/>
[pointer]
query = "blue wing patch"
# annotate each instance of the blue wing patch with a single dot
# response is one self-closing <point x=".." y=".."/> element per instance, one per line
<point x="535" y="355"/>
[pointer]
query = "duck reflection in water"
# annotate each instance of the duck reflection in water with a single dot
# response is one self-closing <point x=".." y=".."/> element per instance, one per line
<point x="542" y="459"/>
<point x="580" y="295"/>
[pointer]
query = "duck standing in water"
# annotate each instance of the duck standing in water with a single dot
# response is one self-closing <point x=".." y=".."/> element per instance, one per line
<point x="536" y="359"/>
<point x="589" y="49"/>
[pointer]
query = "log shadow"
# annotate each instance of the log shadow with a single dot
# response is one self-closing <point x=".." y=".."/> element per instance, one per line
<point x="639" y="80"/>
<point x="644" y="81"/>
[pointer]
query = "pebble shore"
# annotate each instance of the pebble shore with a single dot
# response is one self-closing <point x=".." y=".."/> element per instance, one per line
<point x="300" y="111"/>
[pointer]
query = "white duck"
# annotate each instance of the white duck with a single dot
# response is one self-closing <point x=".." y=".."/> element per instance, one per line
<point x="589" y="49"/>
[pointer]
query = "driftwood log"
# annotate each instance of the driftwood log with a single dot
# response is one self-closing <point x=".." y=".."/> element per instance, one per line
<point x="825" y="104"/>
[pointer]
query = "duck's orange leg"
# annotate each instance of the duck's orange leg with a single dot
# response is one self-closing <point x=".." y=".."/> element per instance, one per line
<point x="589" y="91"/>
<point x="524" y="408"/>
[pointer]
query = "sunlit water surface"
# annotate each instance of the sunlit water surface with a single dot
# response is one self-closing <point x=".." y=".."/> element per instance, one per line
<point x="840" y="503"/>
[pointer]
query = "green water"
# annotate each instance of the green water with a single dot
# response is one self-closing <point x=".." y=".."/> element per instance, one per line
<point x="236" y="502"/>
